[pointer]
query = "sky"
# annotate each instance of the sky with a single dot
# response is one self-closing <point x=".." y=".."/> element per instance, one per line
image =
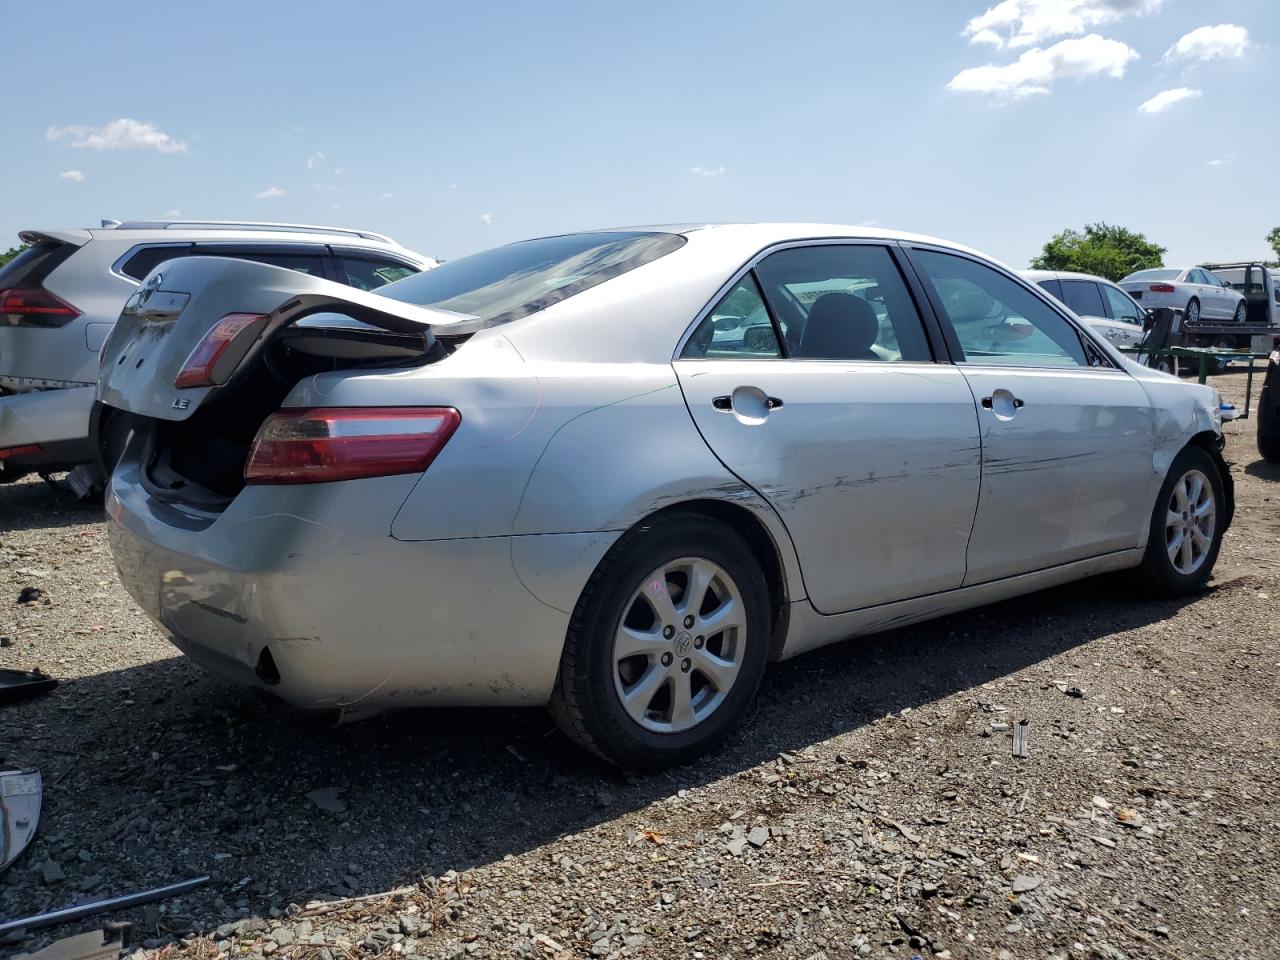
<point x="456" y="127"/>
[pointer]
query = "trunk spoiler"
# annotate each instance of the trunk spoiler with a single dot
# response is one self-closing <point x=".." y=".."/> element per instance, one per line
<point x="179" y="302"/>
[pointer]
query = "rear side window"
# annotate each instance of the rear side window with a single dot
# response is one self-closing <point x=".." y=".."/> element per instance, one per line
<point x="514" y="281"/>
<point x="311" y="264"/>
<point x="148" y="258"/>
<point x="997" y="320"/>
<point x="737" y="328"/>
<point x="843" y="302"/>
<point x="1053" y="287"/>
<point x="32" y="265"/>
<point x="1083" y="297"/>
<point x="370" y="273"/>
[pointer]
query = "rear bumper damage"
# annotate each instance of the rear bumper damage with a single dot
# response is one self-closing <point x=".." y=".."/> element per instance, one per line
<point x="303" y="593"/>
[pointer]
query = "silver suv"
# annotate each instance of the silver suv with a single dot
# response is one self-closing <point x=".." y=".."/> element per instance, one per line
<point x="60" y="298"/>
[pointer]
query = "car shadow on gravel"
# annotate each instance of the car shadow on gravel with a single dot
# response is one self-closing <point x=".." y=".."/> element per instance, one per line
<point x="1263" y="470"/>
<point x="36" y="505"/>
<point x="161" y="772"/>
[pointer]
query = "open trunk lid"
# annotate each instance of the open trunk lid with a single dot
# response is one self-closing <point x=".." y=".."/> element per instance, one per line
<point x="169" y="317"/>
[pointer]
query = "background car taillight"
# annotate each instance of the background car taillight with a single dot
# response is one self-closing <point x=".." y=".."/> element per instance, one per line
<point x="347" y="443"/>
<point x="35" y="306"/>
<point x="1163" y="288"/>
<point x="198" y="371"/>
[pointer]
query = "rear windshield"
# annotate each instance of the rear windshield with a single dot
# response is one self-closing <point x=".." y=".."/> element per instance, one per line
<point x="1154" y="275"/>
<point x="511" y="282"/>
<point x="32" y="265"/>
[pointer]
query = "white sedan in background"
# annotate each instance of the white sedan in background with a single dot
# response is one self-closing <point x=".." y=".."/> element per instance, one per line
<point x="1196" y="292"/>
<point x="1097" y="301"/>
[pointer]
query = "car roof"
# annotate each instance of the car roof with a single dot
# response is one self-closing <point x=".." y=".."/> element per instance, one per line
<point x="1034" y="275"/>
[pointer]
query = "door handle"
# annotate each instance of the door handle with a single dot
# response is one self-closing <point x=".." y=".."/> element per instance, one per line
<point x="725" y="404"/>
<point x="989" y="402"/>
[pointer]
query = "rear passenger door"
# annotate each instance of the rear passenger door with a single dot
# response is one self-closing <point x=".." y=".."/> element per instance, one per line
<point x="813" y="379"/>
<point x="1066" y="437"/>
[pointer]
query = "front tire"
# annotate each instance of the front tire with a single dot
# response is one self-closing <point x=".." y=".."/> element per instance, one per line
<point x="667" y="644"/>
<point x="1186" y="525"/>
<point x="1241" y="312"/>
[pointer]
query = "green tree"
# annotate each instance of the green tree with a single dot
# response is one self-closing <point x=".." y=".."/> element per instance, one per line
<point x="11" y="253"/>
<point x="1101" y="249"/>
<point x="1273" y="238"/>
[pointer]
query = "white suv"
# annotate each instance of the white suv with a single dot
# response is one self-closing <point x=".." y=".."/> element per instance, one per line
<point x="60" y="298"/>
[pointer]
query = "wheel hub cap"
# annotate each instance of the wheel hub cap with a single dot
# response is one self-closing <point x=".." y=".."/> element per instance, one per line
<point x="669" y="677"/>
<point x="1190" y="522"/>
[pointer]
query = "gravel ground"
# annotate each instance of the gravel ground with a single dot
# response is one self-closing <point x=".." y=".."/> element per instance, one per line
<point x="871" y="806"/>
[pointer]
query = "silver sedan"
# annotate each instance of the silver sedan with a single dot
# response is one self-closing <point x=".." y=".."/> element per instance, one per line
<point x="1193" y="290"/>
<point x="620" y="472"/>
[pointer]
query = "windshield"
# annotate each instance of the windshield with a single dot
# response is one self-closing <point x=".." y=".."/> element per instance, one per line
<point x="511" y="282"/>
<point x="1153" y="275"/>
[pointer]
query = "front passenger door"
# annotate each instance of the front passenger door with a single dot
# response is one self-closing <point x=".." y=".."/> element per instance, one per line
<point x="1066" y="444"/>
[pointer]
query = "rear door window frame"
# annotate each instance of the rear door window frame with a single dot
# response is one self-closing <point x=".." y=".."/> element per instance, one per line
<point x="933" y="331"/>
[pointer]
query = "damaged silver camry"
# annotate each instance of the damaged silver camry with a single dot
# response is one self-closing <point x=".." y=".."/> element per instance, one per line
<point x="619" y="472"/>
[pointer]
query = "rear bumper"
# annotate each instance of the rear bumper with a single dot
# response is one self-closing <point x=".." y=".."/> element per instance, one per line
<point x="301" y="591"/>
<point x="56" y="420"/>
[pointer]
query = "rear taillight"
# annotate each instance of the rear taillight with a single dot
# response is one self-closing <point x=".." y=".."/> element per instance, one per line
<point x="347" y="443"/>
<point x="1163" y="288"/>
<point x="198" y="370"/>
<point x="21" y="451"/>
<point x="36" y="304"/>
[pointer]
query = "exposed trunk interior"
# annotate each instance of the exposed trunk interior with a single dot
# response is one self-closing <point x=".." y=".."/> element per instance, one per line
<point x="200" y="461"/>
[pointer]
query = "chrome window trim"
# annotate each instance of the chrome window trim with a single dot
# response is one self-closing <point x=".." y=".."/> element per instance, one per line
<point x="117" y="267"/>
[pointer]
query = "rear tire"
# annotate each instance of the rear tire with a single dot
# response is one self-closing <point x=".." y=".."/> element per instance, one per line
<point x="656" y="707"/>
<point x="1186" y="525"/>
<point x="1192" y="313"/>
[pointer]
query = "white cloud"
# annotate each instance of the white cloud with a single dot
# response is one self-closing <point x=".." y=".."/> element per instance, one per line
<point x="122" y="134"/>
<point x="1213" y="163"/>
<point x="324" y="188"/>
<point x="486" y="218"/>
<point x="339" y="171"/>
<point x="268" y="193"/>
<point x="170" y="214"/>
<point x="1021" y="23"/>
<point x="1165" y="99"/>
<point x="707" y="171"/>
<point x="75" y="176"/>
<point x="1210" y="43"/>
<point x="1036" y="69"/>
<point x="315" y="161"/>
<point x="386" y="196"/>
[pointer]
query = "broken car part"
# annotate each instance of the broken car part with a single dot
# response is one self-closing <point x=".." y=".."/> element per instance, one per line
<point x="94" y="945"/>
<point x="19" y="684"/>
<point x="95" y="907"/>
<point x="20" y="795"/>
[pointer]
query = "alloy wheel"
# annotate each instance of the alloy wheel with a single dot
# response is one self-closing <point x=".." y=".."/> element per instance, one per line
<point x="1190" y="522"/>
<point x="680" y="645"/>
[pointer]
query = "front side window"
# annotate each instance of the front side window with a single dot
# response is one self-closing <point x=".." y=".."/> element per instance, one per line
<point x="1083" y="297"/>
<point x="737" y="328"/>
<point x="1122" y="305"/>
<point x="843" y="302"/>
<point x="997" y="320"/>
<point x="520" y="279"/>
